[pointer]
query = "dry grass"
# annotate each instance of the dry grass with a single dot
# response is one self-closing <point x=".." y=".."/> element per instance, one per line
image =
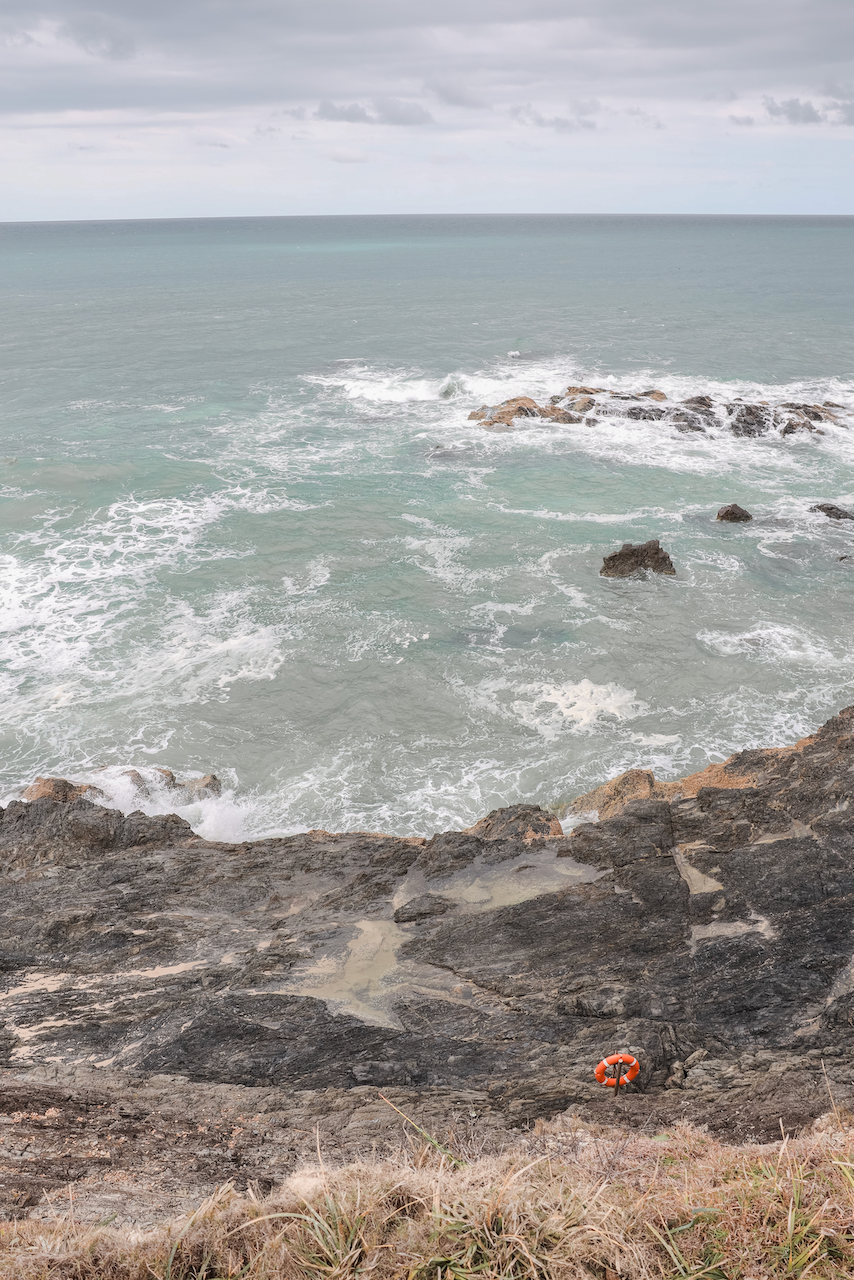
<point x="570" y="1200"/>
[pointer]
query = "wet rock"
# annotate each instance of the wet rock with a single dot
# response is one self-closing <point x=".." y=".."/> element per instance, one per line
<point x="501" y="417"/>
<point x="201" y="788"/>
<point x="559" y="415"/>
<point x="639" y="413"/>
<point x="633" y="558"/>
<point x="708" y="915"/>
<point x="582" y="404"/>
<point x="749" y="419"/>
<point x="140" y="786"/>
<point x="421" y="908"/>
<point x="611" y="797"/>
<point x="525" y="822"/>
<point x="833" y="512"/>
<point x="654" y="395"/>
<point x="584" y="391"/>
<point x="792" y="425"/>
<point x="699" y="403"/>
<point x="61" y="790"/>
<point x="734" y="514"/>
<point x="686" y="422"/>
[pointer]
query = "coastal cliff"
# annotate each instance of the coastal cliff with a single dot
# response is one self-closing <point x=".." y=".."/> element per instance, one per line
<point x="204" y="1006"/>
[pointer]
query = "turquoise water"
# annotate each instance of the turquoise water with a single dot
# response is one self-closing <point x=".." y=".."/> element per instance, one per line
<point x="248" y="528"/>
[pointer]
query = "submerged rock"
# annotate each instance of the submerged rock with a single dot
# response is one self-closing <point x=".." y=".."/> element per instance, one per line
<point x="633" y="558"/>
<point x="734" y="514"/>
<point x="832" y="512"/>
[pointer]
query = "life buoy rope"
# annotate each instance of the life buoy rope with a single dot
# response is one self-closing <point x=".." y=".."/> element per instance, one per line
<point x="617" y="1060"/>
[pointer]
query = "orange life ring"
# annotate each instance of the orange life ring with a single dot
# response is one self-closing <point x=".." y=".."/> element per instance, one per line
<point x="627" y="1059"/>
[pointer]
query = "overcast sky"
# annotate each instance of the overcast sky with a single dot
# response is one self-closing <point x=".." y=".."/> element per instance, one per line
<point x="209" y="107"/>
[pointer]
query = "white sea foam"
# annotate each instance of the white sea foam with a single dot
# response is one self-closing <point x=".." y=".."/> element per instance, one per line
<point x="772" y="642"/>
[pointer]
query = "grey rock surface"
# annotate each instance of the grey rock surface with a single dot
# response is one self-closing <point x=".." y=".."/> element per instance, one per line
<point x="708" y="930"/>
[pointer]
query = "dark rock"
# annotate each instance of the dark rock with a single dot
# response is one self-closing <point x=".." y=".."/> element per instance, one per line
<point x="635" y="558"/>
<point x="749" y="419"/>
<point x="687" y="422"/>
<point x="422" y="907"/>
<point x="832" y="512"/>
<point x="706" y="928"/>
<point x="699" y="402"/>
<point x="643" y="412"/>
<point x="524" y="822"/>
<point x="734" y="514"/>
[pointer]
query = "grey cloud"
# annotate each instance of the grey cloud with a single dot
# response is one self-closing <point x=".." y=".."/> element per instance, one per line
<point x="452" y="93"/>
<point x="793" y="110"/>
<point x="352" y="114"/>
<point x="389" y="111"/>
<point x="846" y="111"/>
<point x="397" y="111"/>
<point x="99" y="37"/>
<point x="742" y="120"/>
<point x="644" y="117"/>
<point x="196" y="54"/>
<point x="561" y="124"/>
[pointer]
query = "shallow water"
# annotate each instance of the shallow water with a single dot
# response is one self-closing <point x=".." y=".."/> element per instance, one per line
<point x="247" y="527"/>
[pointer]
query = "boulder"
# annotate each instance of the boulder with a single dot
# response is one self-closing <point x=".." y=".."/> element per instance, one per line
<point x="524" y="822"/>
<point x="832" y="512"/>
<point x="699" y="402"/>
<point x="584" y="391"/>
<point x="61" y="790"/>
<point x="583" y="404"/>
<point x="201" y="788"/>
<point x="612" y="797"/>
<point x="500" y="417"/>
<point x="654" y="395"/>
<point x="634" y="558"/>
<point x="734" y="514"/>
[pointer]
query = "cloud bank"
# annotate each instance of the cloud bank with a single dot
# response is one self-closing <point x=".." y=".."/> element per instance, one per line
<point x="195" y="107"/>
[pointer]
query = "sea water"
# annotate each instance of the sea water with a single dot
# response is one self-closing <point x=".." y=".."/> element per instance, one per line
<point x="247" y="526"/>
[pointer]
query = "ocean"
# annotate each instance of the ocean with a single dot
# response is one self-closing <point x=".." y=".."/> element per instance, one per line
<point x="248" y="528"/>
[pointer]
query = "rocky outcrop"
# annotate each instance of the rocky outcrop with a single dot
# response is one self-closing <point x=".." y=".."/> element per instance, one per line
<point x="635" y="558"/>
<point x="524" y="822"/>
<point x="699" y="414"/>
<point x="749" y="419"/>
<point x="501" y="417"/>
<point x="832" y="512"/>
<point x="703" y="924"/>
<point x="734" y="514"/>
<point x="61" y="790"/>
